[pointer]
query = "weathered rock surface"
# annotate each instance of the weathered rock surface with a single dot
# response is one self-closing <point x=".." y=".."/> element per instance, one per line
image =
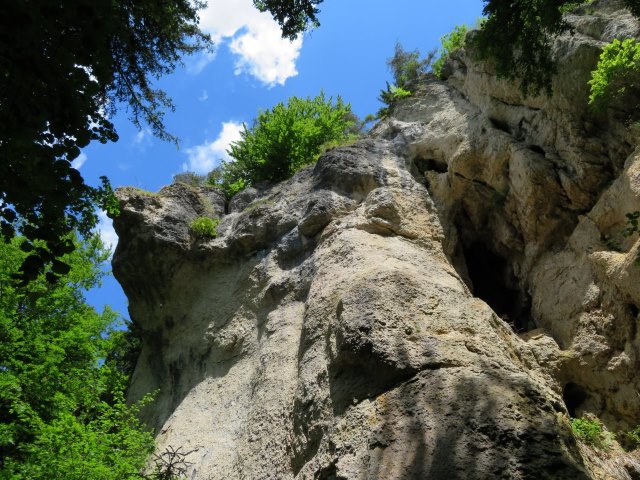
<point x="431" y="302"/>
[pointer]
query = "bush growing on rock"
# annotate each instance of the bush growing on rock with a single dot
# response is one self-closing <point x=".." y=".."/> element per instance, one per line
<point x="590" y="431"/>
<point x="451" y="42"/>
<point x="406" y="67"/>
<point x="617" y="73"/>
<point x="205" y="227"/>
<point x="284" y="139"/>
<point x="190" y="178"/>
<point x="630" y="440"/>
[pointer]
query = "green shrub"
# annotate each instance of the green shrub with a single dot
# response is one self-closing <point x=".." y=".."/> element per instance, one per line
<point x="390" y="97"/>
<point x="227" y="177"/>
<point x="406" y="67"/>
<point x="450" y="43"/>
<point x="190" y="178"/>
<point x="631" y="439"/>
<point x="205" y="227"/>
<point x="590" y="431"/>
<point x="617" y="72"/>
<point x="284" y="139"/>
<point x="573" y="6"/>
<point x="63" y="377"/>
<point x="632" y="223"/>
<point x="111" y="446"/>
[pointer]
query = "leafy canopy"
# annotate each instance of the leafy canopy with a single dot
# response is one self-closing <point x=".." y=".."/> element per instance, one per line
<point x="617" y="73"/>
<point x="284" y="139"/>
<point x="517" y="35"/>
<point x="62" y="414"/>
<point x="293" y="16"/>
<point x="65" y="66"/>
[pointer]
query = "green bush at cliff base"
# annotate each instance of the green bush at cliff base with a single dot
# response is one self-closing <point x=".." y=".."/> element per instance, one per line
<point x="590" y="431"/>
<point x="617" y="73"/>
<point x="63" y="376"/>
<point x="630" y="440"/>
<point x="450" y="43"/>
<point x="205" y="227"/>
<point x="284" y="139"/>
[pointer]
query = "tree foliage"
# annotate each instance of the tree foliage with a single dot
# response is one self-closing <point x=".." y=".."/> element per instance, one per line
<point x="617" y="74"/>
<point x="517" y="35"/>
<point x="286" y="138"/>
<point x="62" y="414"/>
<point x="65" y="66"/>
<point x="406" y="67"/>
<point x="293" y="16"/>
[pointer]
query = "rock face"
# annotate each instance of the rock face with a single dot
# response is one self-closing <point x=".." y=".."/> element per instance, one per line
<point x="431" y="302"/>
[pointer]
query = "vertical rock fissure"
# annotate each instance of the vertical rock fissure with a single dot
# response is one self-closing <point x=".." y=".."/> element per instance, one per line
<point x="489" y="275"/>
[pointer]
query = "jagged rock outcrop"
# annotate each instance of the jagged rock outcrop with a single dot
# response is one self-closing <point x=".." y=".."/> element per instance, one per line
<point x="430" y="302"/>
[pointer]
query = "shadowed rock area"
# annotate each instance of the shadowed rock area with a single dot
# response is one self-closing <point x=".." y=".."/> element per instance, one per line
<point x="430" y="302"/>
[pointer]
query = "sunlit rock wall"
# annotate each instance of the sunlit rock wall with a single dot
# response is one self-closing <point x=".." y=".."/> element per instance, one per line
<point x="431" y="302"/>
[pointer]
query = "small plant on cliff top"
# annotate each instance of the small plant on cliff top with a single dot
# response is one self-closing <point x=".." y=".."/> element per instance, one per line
<point x="406" y="67"/>
<point x="190" y="178"/>
<point x="450" y="43"/>
<point x="204" y="227"/>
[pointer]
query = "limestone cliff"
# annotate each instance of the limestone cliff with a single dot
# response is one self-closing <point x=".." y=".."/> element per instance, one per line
<point x="433" y="301"/>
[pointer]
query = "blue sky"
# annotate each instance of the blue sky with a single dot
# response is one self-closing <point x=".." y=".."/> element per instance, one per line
<point x="252" y="68"/>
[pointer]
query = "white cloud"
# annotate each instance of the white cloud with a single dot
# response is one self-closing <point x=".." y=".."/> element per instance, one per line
<point x="198" y="64"/>
<point x="106" y="231"/>
<point x="79" y="161"/>
<point x="143" y="138"/>
<point x="203" y="158"/>
<point x="255" y="38"/>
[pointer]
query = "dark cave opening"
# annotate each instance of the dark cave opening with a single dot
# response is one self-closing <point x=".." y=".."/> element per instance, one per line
<point x="574" y="396"/>
<point x="424" y="165"/>
<point x="492" y="281"/>
<point x="500" y="125"/>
